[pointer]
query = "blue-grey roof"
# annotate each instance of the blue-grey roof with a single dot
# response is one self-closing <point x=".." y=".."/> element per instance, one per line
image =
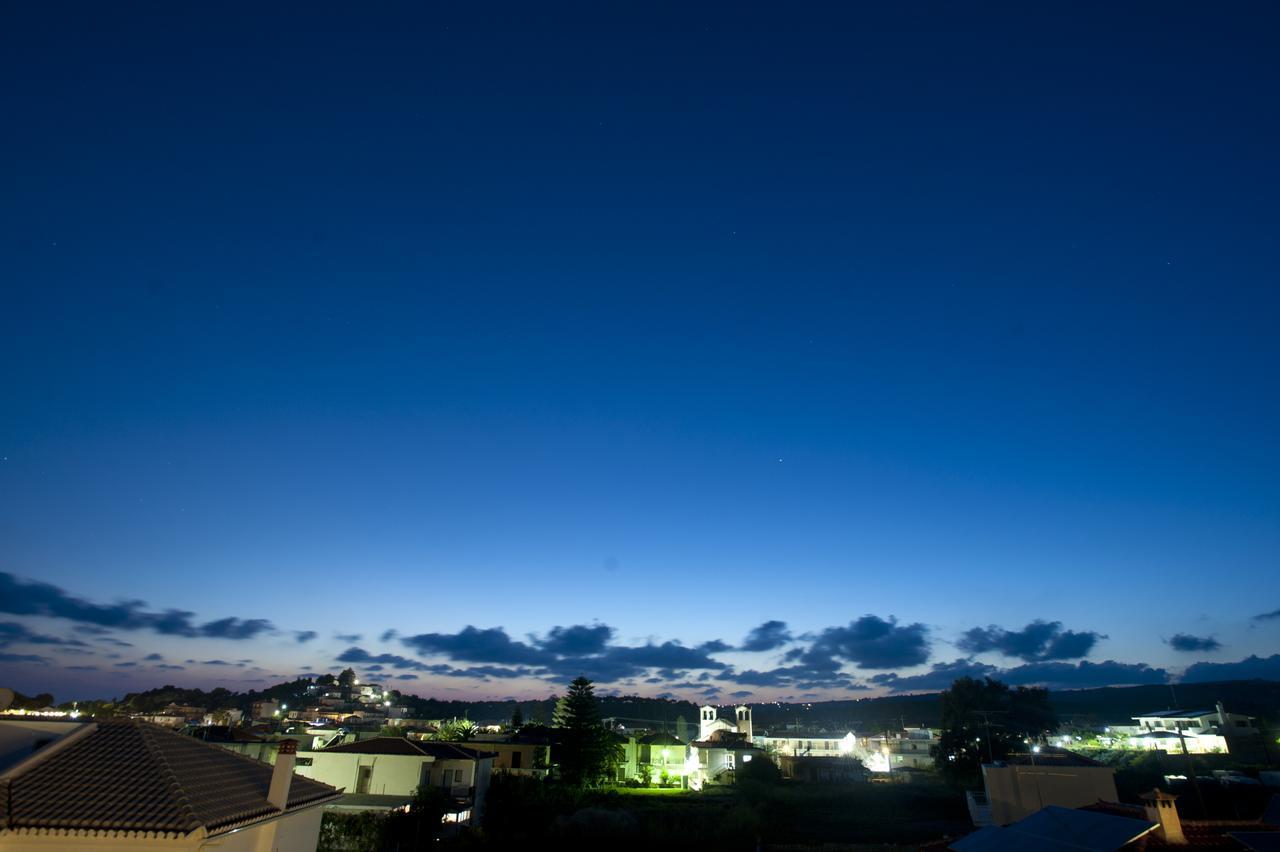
<point x="1056" y="829"/>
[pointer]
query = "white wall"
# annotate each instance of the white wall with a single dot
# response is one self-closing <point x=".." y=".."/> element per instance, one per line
<point x="18" y="737"/>
<point x="393" y="774"/>
<point x="1017" y="791"/>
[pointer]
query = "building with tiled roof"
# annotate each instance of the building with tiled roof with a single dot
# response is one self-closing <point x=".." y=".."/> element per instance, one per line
<point x="385" y="772"/>
<point x="132" y="784"/>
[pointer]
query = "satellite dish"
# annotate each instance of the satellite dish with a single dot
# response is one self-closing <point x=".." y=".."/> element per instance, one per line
<point x="6" y="698"/>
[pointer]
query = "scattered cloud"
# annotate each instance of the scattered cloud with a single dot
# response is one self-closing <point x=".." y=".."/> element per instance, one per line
<point x="1054" y="675"/>
<point x="31" y="597"/>
<point x="1267" y="616"/>
<point x="1037" y="642"/>
<point x="576" y="641"/>
<point x="235" y="628"/>
<point x="13" y="633"/>
<point x="1187" y="642"/>
<point x="870" y="642"/>
<point x="767" y="637"/>
<point x="348" y="637"/>
<point x="474" y="645"/>
<point x="1084" y="674"/>
<point x="359" y="656"/>
<point x="302" y="636"/>
<point x="388" y="635"/>
<point x="151" y="657"/>
<point x="1252" y="667"/>
<point x="22" y="658"/>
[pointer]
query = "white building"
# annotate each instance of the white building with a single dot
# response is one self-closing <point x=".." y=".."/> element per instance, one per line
<point x="721" y="749"/>
<point x="386" y="771"/>
<point x="1200" y="731"/>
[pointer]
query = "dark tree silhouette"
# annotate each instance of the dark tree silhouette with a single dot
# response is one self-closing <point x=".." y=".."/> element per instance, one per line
<point x="985" y="720"/>
<point x="588" y="750"/>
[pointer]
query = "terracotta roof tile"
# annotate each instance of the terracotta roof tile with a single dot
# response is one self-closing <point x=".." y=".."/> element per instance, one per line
<point x="135" y="776"/>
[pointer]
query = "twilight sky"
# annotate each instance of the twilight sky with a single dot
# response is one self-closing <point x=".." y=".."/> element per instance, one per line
<point x="735" y="353"/>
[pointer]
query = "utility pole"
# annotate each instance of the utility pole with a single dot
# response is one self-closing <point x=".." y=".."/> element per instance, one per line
<point x="986" y="722"/>
<point x="1191" y="768"/>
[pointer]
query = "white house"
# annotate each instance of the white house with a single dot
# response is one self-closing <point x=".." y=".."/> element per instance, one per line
<point x="386" y="771"/>
<point x="1200" y="731"/>
<point x="721" y="749"/>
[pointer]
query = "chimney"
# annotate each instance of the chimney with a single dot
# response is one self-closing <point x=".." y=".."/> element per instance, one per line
<point x="282" y="774"/>
<point x="1161" y="808"/>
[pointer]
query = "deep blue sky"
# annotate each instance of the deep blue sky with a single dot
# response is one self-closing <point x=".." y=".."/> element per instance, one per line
<point x="675" y="321"/>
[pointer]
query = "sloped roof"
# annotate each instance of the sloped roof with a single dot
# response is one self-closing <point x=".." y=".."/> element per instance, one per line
<point x="1055" y="828"/>
<point x="724" y="739"/>
<point x="130" y="775"/>
<point x="413" y="748"/>
<point x="1050" y="756"/>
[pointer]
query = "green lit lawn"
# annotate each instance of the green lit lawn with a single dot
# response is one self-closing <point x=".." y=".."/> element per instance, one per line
<point x="650" y="791"/>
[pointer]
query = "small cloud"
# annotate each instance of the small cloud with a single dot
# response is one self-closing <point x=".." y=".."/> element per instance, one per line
<point x="1039" y="641"/>
<point x="767" y="636"/>
<point x="576" y="640"/>
<point x="127" y="665"/>
<point x="301" y="636"/>
<point x="388" y="635"/>
<point x="1267" y="616"/>
<point x="1187" y="642"/>
<point x="153" y="657"/>
<point x="22" y="658"/>
<point x="13" y="633"/>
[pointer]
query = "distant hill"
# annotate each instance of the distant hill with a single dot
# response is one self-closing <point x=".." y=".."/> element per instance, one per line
<point x="1107" y="705"/>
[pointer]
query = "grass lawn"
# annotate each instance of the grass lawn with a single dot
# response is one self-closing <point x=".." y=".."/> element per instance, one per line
<point x="652" y="791"/>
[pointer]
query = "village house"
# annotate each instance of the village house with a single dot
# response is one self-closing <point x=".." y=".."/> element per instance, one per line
<point x="1023" y="784"/>
<point x="131" y="785"/>
<point x="721" y="749"/>
<point x="384" y="773"/>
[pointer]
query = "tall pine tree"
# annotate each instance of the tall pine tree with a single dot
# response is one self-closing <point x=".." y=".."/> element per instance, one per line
<point x="588" y="751"/>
